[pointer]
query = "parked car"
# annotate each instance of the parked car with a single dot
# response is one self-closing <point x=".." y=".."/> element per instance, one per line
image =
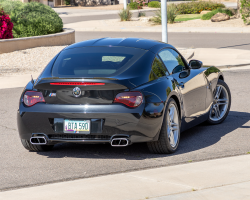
<point x="120" y="91"/>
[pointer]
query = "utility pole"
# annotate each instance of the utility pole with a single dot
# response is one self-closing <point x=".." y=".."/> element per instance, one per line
<point x="125" y="4"/>
<point x="164" y="21"/>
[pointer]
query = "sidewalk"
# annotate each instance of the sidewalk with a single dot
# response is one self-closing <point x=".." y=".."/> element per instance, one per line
<point x="87" y="11"/>
<point x="226" y="178"/>
<point x="223" y="57"/>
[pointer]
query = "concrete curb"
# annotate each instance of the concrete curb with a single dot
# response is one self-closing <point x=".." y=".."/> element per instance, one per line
<point x="230" y="66"/>
<point x="63" y="38"/>
<point x="164" y="183"/>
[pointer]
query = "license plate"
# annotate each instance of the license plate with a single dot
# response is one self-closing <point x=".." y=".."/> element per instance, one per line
<point x="77" y="126"/>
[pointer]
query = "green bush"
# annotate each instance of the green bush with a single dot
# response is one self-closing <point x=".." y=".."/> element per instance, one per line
<point x="196" y="7"/>
<point x="32" y="19"/>
<point x="171" y="15"/>
<point x="125" y="15"/>
<point x="245" y="11"/>
<point x="67" y="2"/>
<point x="133" y="5"/>
<point x="154" y="4"/>
<point x="209" y="15"/>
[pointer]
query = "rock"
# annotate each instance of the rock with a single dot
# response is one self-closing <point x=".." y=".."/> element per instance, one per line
<point x="204" y="12"/>
<point x="220" y="17"/>
<point x="144" y="19"/>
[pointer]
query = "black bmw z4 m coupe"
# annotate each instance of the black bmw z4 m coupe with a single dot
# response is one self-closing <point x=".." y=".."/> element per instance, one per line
<point x="120" y="91"/>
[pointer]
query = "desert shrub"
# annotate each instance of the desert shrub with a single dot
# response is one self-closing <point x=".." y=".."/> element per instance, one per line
<point x="154" y="4"/>
<point x="6" y="26"/>
<point x="245" y="11"/>
<point x="171" y="15"/>
<point x="125" y="14"/>
<point x="195" y="7"/>
<point x="157" y="18"/>
<point x="32" y="19"/>
<point x="209" y="15"/>
<point x="141" y="14"/>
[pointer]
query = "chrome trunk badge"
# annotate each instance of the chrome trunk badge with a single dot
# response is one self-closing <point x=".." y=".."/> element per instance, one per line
<point x="77" y="92"/>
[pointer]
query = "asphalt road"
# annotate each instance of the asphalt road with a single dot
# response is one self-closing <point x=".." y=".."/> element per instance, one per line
<point x="187" y="40"/>
<point x="20" y="168"/>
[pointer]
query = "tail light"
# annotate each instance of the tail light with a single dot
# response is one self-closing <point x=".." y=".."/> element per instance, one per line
<point x="130" y="99"/>
<point x="32" y="97"/>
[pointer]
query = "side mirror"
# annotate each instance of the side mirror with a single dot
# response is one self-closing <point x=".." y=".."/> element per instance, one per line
<point x="184" y="74"/>
<point x="195" y="64"/>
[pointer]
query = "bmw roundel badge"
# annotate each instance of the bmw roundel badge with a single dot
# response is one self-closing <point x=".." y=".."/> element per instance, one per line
<point x="77" y="92"/>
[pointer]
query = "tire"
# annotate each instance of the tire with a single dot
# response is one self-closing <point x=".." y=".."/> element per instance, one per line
<point x="164" y="145"/>
<point x="218" y="105"/>
<point x="37" y="148"/>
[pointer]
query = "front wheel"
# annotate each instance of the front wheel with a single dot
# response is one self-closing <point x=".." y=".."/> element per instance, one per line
<point x="221" y="103"/>
<point x="27" y="145"/>
<point x="170" y="132"/>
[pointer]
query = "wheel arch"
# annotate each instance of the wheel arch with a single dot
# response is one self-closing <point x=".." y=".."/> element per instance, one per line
<point x="177" y="102"/>
<point x="221" y="77"/>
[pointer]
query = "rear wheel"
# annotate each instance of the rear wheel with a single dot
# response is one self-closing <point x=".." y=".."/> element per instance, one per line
<point x="170" y="132"/>
<point x="27" y="145"/>
<point x="221" y="103"/>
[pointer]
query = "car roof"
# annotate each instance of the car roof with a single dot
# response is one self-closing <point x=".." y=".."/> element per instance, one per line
<point x="120" y="42"/>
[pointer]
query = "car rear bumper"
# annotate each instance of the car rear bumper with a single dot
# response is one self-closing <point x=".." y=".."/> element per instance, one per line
<point x="107" y="122"/>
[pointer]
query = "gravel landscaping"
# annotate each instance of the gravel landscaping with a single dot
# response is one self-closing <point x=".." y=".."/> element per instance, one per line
<point x="27" y="61"/>
<point x="143" y="22"/>
<point x="207" y="23"/>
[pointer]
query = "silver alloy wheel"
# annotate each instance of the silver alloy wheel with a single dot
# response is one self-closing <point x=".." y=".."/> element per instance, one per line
<point x="173" y="125"/>
<point x="220" y="104"/>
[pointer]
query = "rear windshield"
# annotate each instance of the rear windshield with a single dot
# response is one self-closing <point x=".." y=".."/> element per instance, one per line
<point x="95" y="61"/>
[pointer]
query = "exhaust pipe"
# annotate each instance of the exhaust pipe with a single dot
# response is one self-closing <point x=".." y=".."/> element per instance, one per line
<point x="38" y="140"/>
<point x="119" y="142"/>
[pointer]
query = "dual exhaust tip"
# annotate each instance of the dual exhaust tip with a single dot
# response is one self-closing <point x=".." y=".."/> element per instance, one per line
<point x="38" y="140"/>
<point x="119" y="142"/>
<point x="115" y="142"/>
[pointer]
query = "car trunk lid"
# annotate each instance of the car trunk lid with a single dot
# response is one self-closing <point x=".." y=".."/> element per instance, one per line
<point x="81" y="91"/>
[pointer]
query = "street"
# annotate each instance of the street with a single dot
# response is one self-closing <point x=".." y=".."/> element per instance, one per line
<point x="187" y="40"/>
<point x="74" y="161"/>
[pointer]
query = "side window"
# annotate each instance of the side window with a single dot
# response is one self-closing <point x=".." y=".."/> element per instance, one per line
<point x="172" y="61"/>
<point x="158" y="69"/>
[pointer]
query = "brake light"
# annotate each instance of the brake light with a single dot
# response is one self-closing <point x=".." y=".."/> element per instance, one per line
<point x="32" y="97"/>
<point x="130" y="99"/>
<point x="76" y="83"/>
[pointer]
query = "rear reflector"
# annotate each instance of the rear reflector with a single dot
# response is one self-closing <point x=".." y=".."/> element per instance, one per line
<point x="76" y="83"/>
<point x="32" y="97"/>
<point x="130" y="99"/>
